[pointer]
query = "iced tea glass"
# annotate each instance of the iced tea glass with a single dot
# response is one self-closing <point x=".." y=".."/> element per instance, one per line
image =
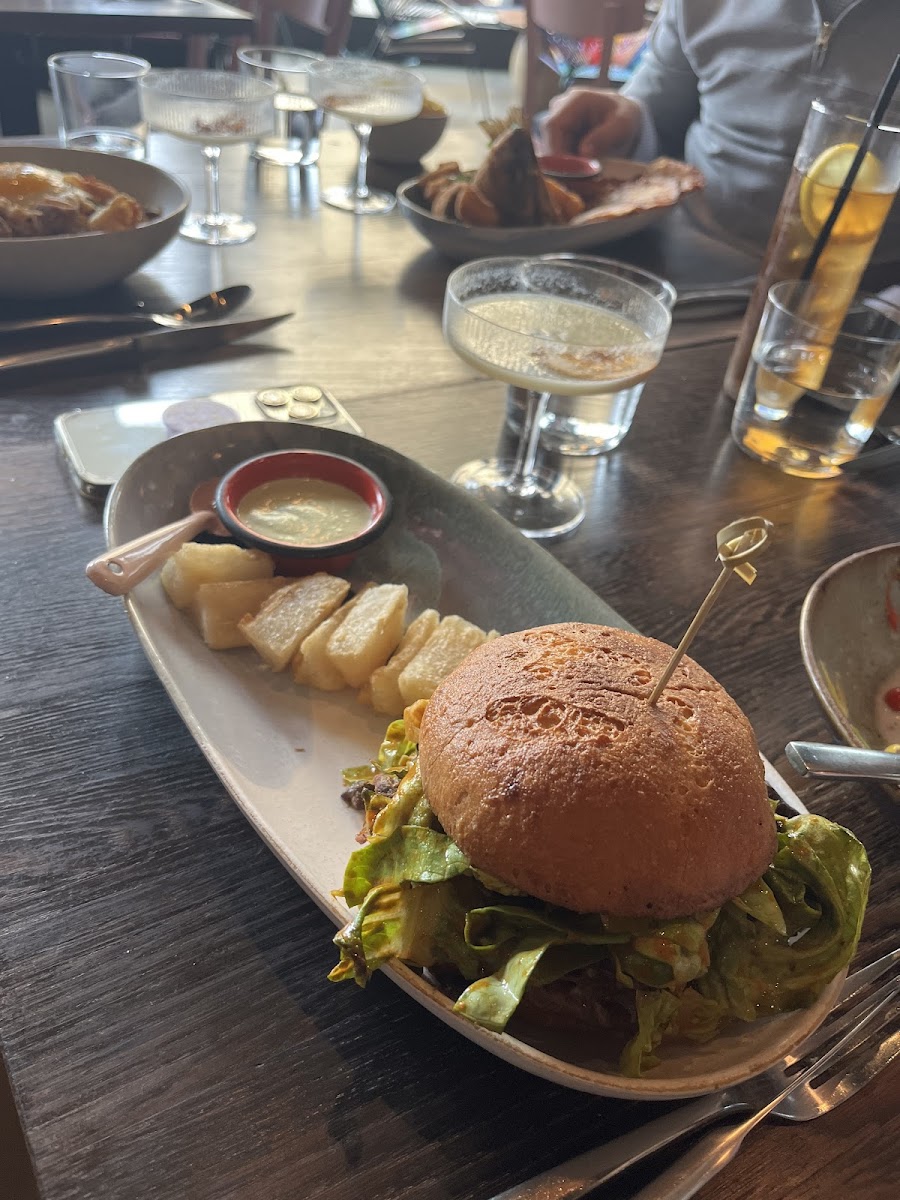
<point x="827" y="147"/>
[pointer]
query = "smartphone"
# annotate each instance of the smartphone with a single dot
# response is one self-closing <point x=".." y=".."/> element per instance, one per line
<point x="100" y="443"/>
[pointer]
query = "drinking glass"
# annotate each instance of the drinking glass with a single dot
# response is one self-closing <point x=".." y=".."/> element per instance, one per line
<point x="812" y="394"/>
<point x="98" y="101"/>
<point x="584" y="426"/>
<point x="829" y="141"/>
<point x="365" y="94"/>
<point x="298" y="120"/>
<point x="552" y="328"/>
<point x="213" y="109"/>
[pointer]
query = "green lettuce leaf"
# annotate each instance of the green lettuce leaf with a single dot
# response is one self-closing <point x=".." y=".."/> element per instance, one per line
<point x="406" y="807"/>
<point x="511" y="940"/>
<point x="698" y="1018"/>
<point x="761" y="903"/>
<point x="822" y="872"/>
<point x="665" y="953"/>
<point x="412" y="855"/>
<point x="394" y="754"/>
<point x="655" y="1010"/>
<point x="421" y="925"/>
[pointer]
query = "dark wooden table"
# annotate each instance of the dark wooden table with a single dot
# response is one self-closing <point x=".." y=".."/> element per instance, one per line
<point x="101" y="20"/>
<point x="165" y="1018"/>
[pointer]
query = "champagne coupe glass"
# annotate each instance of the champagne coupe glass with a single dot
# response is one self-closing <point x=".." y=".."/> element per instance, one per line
<point x="214" y="109"/>
<point x="552" y="328"/>
<point x="365" y="94"/>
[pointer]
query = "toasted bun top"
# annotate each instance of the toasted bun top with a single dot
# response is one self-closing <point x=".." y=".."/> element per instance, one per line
<point x="543" y="761"/>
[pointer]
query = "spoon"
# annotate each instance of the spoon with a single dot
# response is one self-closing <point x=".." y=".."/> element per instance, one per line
<point x="119" y="570"/>
<point x="842" y="762"/>
<point x="211" y="307"/>
<point x="569" y="166"/>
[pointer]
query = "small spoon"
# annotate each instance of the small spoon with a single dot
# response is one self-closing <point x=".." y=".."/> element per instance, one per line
<point x="210" y="307"/>
<point x="119" y="570"/>
<point x="569" y="166"/>
<point x="842" y="762"/>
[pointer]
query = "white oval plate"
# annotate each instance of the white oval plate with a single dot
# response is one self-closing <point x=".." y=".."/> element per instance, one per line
<point x="279" y="749"/>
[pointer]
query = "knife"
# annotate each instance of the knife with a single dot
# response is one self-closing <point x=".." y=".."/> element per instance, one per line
<point x="144" y="346"/>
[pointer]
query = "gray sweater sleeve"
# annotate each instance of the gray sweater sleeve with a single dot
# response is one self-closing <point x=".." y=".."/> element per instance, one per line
<point x="665" y="82"/>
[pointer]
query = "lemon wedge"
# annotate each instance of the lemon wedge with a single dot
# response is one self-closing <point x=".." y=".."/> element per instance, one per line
<point x="864" y="210"/>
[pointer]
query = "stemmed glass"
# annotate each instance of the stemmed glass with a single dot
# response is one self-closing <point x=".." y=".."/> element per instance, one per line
<point x="215" y="109"/>
<point x="550" y="328"/>
<point x="365" y="94"/>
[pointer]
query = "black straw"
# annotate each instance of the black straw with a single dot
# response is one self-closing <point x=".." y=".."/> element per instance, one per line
<point x="881" y="105"/>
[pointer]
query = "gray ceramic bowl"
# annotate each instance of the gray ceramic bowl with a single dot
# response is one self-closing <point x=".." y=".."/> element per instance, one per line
<point x="461" y="242"/>
<point x="69" y="264"/>
<point x="851" y="641"/>
<point x="407" y="141"/>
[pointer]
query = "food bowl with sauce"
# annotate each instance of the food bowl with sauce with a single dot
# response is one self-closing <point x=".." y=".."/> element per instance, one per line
<point x="309" y="509"/>
<point x="850" y="641"/>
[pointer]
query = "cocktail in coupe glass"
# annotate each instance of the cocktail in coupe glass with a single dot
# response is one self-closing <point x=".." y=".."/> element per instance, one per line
<point x="552" y="328"/>
<point x="365" y="94"/>
<point x="214" y="109"/>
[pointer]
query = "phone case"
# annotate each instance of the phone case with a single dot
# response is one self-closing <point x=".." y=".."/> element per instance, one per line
<point x="100" y="443"/>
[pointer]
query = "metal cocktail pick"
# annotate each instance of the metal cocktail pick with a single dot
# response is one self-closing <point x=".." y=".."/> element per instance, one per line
<point x="736" y="544"/>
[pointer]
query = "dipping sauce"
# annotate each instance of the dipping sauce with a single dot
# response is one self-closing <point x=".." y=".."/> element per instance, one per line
<point x="304" y="512"/>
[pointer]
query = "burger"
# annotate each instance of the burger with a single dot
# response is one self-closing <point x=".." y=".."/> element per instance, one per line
<point x="554" y="849"/>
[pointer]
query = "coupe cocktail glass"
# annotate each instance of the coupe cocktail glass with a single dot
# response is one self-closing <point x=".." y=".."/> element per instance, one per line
<point x="214" y="109"/>
<point x="551" y="328"/>
<point x="365" y="94"/>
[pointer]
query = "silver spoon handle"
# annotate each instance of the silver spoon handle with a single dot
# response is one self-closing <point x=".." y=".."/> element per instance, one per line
<point x="846" y="762"/>
<point x="84" y="320"/>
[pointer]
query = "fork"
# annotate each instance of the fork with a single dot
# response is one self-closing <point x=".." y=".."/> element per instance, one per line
<point x="715" y="1150"/>
<point x="581" y="1174"/>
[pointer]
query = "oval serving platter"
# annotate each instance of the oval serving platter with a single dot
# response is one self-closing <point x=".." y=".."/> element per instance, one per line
<point x="279" y="748"/>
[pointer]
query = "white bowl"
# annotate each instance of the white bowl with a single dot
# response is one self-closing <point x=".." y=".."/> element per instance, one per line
<point x="69" y="264"/>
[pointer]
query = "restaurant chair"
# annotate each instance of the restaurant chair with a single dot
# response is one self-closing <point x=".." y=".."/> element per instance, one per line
<point x="577" y="19"/>
<point x="329" y="18"/>
<point x="437" y="30"/>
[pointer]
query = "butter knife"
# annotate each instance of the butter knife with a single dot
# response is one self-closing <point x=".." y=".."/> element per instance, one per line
<point x="144" y="346"/>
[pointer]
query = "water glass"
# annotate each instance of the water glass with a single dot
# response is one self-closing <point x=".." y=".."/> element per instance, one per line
<point x="98" y="101"/>
<point x="811" y="394"/>
<point x="298" y="120"/>
<point x="582" y="426"/>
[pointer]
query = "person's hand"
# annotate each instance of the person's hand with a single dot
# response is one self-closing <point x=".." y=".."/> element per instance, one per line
<point x="592" y="123"/>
